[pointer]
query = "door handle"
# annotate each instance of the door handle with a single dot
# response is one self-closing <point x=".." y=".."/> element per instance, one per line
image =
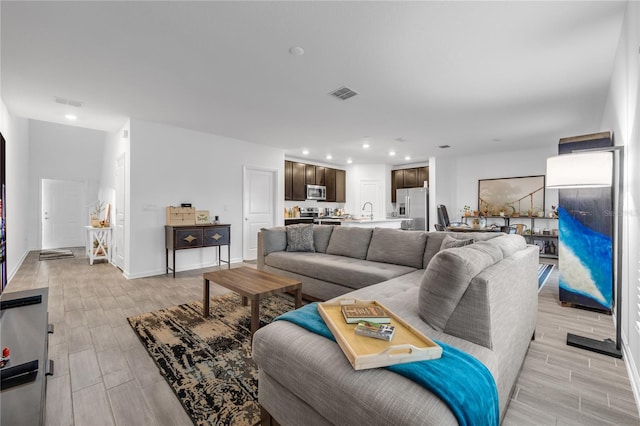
<point x="246" y="218"/>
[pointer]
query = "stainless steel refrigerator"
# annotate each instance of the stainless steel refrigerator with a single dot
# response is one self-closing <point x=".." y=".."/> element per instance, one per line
<point x="413" y="204"/>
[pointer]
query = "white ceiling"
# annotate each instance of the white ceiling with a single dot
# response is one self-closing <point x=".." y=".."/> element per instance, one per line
<point x="479" y="76"/>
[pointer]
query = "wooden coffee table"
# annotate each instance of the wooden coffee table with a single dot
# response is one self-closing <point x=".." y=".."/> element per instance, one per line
<point x="250" y="284"/>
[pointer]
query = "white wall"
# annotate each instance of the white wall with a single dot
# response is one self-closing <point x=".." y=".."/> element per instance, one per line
<point x="456" y="178"/>
<point x="359" y="173"/>
<point x="622" y="117"/>
<point x="169" y="166"/>
<point x="16" y="133"/>
<point x="62" y="152"/>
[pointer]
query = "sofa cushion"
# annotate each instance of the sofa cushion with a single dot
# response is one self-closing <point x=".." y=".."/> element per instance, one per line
<point x="434" y="241"/>
<point x="346" y="271"/>
<point x="445" y="281"/>
<point x="509" y="243"/>
<point x="490" y="248"/>
<point x="321" y="236"/>
<point x="450" y="242"/>
<point x="397" y="247"/>
<point x="274" y="239"/>
<point x="300" y="238"/>
<point x="351" y="242"/>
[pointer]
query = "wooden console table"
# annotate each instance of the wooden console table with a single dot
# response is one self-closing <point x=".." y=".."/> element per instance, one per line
<point x="196" y="236"/>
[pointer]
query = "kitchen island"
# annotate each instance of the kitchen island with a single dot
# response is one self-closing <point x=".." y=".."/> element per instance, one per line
<point x="362" y="223"/>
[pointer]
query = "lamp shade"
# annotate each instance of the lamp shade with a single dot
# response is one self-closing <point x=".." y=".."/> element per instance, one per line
<point x="582" y="170"/>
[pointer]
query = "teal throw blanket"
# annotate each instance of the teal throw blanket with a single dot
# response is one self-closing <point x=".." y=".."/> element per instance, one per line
<point x="457" y="378"/>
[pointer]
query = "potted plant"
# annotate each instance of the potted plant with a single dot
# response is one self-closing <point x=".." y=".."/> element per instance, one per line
<point x="98" y="208"/>
<point x="466" y="210"/>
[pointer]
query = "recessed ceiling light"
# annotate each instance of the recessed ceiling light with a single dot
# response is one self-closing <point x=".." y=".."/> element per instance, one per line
<point x="407" y="158"/>
<point x="349" y="161"/>
<point x="329" y="156"/>
<point x="444" y="146"/>
<point x="392" y="153"/>
<point x="296" y="51"/>
<point x="305" y="152"/>
<point x="366" y="145"/>
<point x="71" y="117"/>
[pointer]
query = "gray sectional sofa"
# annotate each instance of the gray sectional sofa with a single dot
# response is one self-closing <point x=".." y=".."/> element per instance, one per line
<point x="474" y="291"/>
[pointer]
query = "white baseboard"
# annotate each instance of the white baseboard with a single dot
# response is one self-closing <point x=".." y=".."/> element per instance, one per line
<point x="152" y="273"/>
<point x="632" y="371"/>
<point x="12" y="274"/>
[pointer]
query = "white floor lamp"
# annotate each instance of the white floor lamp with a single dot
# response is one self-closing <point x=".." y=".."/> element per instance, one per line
<point x="592" y="168"/>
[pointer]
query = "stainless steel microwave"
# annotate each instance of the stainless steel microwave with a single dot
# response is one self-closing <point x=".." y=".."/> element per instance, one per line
<point x="316" y="192"/>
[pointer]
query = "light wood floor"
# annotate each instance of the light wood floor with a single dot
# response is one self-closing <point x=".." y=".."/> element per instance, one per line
<point x="103" y="374"/>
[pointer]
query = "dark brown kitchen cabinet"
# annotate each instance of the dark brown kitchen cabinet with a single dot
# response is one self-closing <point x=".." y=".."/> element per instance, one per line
<point x="320" y="173"/>
<point x="341" y="186"/>
<point x="423" y="175"/>
<point x="330" y="183"/>
<point x="310" y="173"/>
<point x="410" y="178"/>
<point x="288" y="180"/>
<point x="298" y="185"/>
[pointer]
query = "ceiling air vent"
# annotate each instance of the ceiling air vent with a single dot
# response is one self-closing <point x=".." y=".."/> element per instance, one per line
<point x="444" y="146"/>
<point x="70" y="102"/>
<point x="343" y="93"/>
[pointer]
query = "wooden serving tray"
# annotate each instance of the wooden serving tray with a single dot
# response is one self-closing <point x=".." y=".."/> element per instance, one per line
<point x="407" y="345"/>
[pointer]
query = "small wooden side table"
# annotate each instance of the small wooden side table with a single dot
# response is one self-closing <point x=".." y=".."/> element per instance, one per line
<point x="98" y="243"/>
<point x="250" y="284"/>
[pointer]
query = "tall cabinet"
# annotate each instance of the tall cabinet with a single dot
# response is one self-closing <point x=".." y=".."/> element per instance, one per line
<point x="298" y="175"/>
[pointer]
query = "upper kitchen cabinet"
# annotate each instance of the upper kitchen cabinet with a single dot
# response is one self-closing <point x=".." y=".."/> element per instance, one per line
<point x="298" y="182"/>
<point x="320" y="175"/>
<point x="288" y="180"/>
<point x="423" y="175"/>
<point x="310" y="173"/>
<point x="330" y="183"/>
<point x="298" y="175"/>
<point x="408" y="178"/>
<point x="341" y="186"/>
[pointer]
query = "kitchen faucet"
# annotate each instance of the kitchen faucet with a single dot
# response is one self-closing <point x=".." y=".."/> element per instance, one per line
<point x="370" y="210"/>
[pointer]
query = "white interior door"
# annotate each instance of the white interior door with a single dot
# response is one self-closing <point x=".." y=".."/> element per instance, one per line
<point x="259" y="207"/>
<point x="62" y="214"/>
<point x="119" y="217"/>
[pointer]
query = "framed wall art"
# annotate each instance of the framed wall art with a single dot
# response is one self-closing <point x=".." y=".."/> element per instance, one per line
<point x="514" y="196"/>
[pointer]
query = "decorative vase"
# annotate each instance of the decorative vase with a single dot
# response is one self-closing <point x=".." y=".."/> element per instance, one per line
<point x="95" y="222"/>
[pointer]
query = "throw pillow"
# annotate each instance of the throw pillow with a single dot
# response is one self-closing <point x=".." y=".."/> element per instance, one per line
<point x="300" y="238"/>
<point x="450" y="242"/>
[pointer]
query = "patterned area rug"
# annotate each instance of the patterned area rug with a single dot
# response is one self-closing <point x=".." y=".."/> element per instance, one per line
<point x="207" y="361"/>
<point x="56" y="254"/>
<point x="544" y="270"/>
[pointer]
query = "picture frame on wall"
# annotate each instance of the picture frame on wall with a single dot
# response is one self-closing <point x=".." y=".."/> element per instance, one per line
<point x="513" y="196"/>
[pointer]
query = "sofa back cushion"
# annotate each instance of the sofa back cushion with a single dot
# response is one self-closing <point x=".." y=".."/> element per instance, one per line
<point x="350" y="241"/>
<point x="321" y="236"/>
<point x="509" y="244"/>
<point x="434" y="241"/>
<point x="445" y="281"/>
<point x="274" y="239"/>
<point x="397" y="247"/>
